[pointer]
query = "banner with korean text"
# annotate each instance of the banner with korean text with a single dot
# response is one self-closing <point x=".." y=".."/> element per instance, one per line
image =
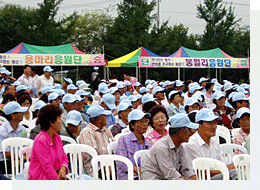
<point x="52" y="59"/>
<point x="174" y="62"/>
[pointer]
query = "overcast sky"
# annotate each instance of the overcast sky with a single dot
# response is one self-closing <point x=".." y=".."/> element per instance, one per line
<point x="176" y="11"/>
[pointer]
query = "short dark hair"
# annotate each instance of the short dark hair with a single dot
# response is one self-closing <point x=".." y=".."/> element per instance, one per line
<point x="44" y="98"/>
<point x="23" y="98"/>
<point x="33" y="68"/>
<point x="167" y="92"/>
<point x="25" y="66"/>
<point x="56" y="81"/>
<point x="91" y="120"/>
<point x="234" y="104"/>
<point x="8" y="97"/>
<point x="208" y="85"/>
<point x="6" y="88"/>
<point x="90" y="98"/>
<point x="20" y="93"/>
<point x="126" y="72"/>
<point x="130" y="125"/>
<point x="173" y="95"/>
<point x="154" y="110"/>
<point x="243" y="115"/>
<point x="192" y="116"/>
<point x="175" y="131"/>
<point x="47" y="115"/>
<point x="9" y="117"/>
<point x="148" y="105"/>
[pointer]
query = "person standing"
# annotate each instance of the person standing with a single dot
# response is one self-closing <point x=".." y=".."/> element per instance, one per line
<point x="27" y="80"/>
<point x="95" y="79"/>
<point x="131" y="79"/>
<point x="46" y="78"/>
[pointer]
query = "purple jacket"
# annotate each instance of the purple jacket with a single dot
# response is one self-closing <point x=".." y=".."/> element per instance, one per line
<point x="127" y="146"/>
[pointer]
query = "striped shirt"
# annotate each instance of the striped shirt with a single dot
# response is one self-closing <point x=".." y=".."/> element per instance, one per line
<point x="239" y="138"/>
<point x="154" y="136"/>
<point x="99" y="140"/>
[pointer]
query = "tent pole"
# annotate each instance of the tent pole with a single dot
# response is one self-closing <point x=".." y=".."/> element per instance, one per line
<point x="108" y="73"/>
<point x="183" y="74"/>
<point x="104" y="71"/>
<point x="12" y="71"/>
<point x="146" y="73"/>
<point x="179" y="73"/>
<point x="61" y="72"/>
<point x="136" y="74"/>
<point x="209" y="73"/>
<point x="77" y="76"/>
<point x="216" y="73"/>
<point x="220" y="74"/>
<point x="139" y="72"/>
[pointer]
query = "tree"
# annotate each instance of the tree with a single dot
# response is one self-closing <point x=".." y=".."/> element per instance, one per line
<point x="220" y="24"/>
<point x="130" y="28"/>
<point x="90" y="30"/>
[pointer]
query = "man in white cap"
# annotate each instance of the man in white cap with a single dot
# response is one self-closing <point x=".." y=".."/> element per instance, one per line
<point x="167" y="160"/>
<point x="203" y="144"/>
<point x="45" y="78"/>
<point x="95" y="79"/>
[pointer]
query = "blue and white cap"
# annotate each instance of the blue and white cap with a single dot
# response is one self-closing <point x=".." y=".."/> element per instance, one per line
<point x="167" y="83"/>
<point x="113" y="90"/>
<point x="133" y="98"/>
<point x="46" y="89"/>
<point x="53" y="96"/>
<point x="47" y="69"/>
<point x="172" y="93"/>
<point x="127" y="83"/>
<point x="228" y="85"/>
<point x="242" y="90"/>
<point x="242" y="111"/>
<point x="143" y="90"/>
<point x="8" y="72"/>
<point x="48" y="84"/>
<point x="2" y="69"/>
<point x="16" y="83"/>
<point x="74" y="118"/>
<point x="148" y="81"/>
<point x="123" y="97"/>
<point x="206" y="114"/>
<point x="78" y="98"/>
<point x="82" y="93"/>
<point x="68" y="98"/>
<point x="103" y="89"/>
<point x="203" y="79"/>
<point x="138" y="84"/>
<point x="95" y="68"/>
<point x="191" y="101"/>
<point x="14" y="107"/>
<point x="39" y="104"/>
<point x="120" y="85"/>
<point x="109" y="100"/>
<point x="194" y="87"/>
<point x="126" y="101"/>
<point x="123" y="107"/>
<point x="71" y="87"/>
<point x="239" y="96"/>
<point x="157" y="89"/>
<point x="217" y="95"/>
<point x="214" y="80"/>
<point x="79" y="82"/>
<point x="60" y="92"/>
<point x="245" y="86"/>
<point x="181" y="120"/>
<point x="137" y="114"/>
<point x="231" y="95"/>
<point x="68" y="80"/>
<point x="147" y="98"/>
<point x="96" y="110"/>
<point x="139" y="96"/>
<point x="57" y="86"/>
<point x="179" y="83"/>
<point x="21" y="87"/>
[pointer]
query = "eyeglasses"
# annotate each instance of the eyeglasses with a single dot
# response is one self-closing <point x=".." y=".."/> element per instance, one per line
<point x="143" y="122"/>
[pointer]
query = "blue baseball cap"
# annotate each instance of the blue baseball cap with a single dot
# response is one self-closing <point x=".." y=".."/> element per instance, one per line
<point x="179" y="83"/>
<point x="214" y="80"/>
<point x="139" y="96"/>
<point x="46" y="89"/>
<point x="206" y="114"/>
<point x="217" y="95"/>
<point x="231" y="95"/>
<point x="48" y="84"/>
<point x="14" y="107"/>
<point x="203" y="79"/>
<point x="53" y="96"/>
<point x="242" y="111"/>
<point x="96" y="110"/>
<point x="137" y="114"/>
<point x="239" y="96"/>
<point x="21" y="87"/>
<point x="133" y="98"/>
<point x="127" y="83"/>
<point x="71" y="87"/>
<point x="2" y="69"/>
<point x="143" y="90"/>
<point x="109" y="100"/>
<point x="167" y="83"/>
<point x="78" y="98"/>
<point x="191" y="101"/>
<point x="47" y="69"/>
<point x="57" y="86"/>
<point x="182" y="120"/>
<point x="68" y="80"/>
<point x="39" y="104"/>
<point x="68" y="98"/>
<point x="148" y="81"/>
<point x="60" y="92"/>
<point x="123" y="107"/>
<point x="123" y="97"/>
<point x="113" y="90"/>
<point x="157" y="89"/>
<point x="8" y="72"/>
<point x="173" y="92"/>
<point x="82" y="93"/>
<point x="73" y="117"/>
<point x="126" y="101"/>
<point x="245" y="86"/>
<point x="138" y="84"/>
<point x="79" y="82"/>
<point x="194" y="87"/>
<point x="120" y="85"/>
<point x="147" y="98"/>
<point x="16" y="83"/>
<point x="103" y="89"/>
<point x="242" y="90"/>
<point x="95" y="68"/>
<point x="228" y="85"/>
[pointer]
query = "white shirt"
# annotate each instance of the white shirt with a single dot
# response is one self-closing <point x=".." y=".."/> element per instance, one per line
<point x="196" y="148"/>
<point x="42" y="80"/>
<point x="27" y="82"/>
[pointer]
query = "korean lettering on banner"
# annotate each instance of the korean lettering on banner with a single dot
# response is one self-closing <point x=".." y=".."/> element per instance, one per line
<point x="39" y="59"/>
<point x="4" y="60"/>
<point x="29" y="59"/>
<point x="58" y="59"/>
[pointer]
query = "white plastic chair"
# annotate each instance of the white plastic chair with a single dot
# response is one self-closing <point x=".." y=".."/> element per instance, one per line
<point x="106" y="162"/>
<point x="77" y="139"/>
<point x="139" y="154"/>
<point x="202" y="167"/>
<point x="242" y="164"/>
<point x="110" y="127"/>
<point x="111" y="147"/>
<point x="228" y="151"/>
<point x="25" y="123"/>
<point x="75" y="154"/>
<point x="120" y="134"/>
<point x="234" y="131"/>
<point x="15" y="144"/>
<point x="68" y="139"/>
<point x="126" y="130"/>
<point x="223" y="132"/>
<point x="28" y="152"/>
<point x="2" y="120"/>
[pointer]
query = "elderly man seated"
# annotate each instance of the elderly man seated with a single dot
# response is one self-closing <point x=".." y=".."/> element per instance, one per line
<point x="201" y="143"/>
<point x="166" y="160"/>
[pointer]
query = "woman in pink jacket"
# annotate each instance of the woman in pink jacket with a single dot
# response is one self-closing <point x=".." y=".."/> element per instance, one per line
<point x="48" y="159"/>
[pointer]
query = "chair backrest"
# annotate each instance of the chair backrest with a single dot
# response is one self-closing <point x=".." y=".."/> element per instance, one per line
<point x="242" y="164"/>
<point x="15" y="143"/>
<point x="28" y="152"/>
<point x="75" y="154"/>
<point x="111" y="147"/>
<point x="120" y="134"/>
<point x="126" y="130"/>
<point x="2" y="120"/>
<point x="228" y="151"/>
<point x="234" y="131"/>
<point x="202" y="167"/>
<point x="106" y="162"/>
<point x="139" y="154"/>
<point x="224" y="133"/>
<point x="110" y="127"/>
<point x="77" y="139"/>
<point x="25" y="123"/>
<point x="68" y="139"/>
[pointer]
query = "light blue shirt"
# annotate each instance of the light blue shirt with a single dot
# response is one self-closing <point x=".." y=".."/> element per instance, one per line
<point x="172" y="109"/>
<point x="6" y="131"/>
<point x="111" y="120"/>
